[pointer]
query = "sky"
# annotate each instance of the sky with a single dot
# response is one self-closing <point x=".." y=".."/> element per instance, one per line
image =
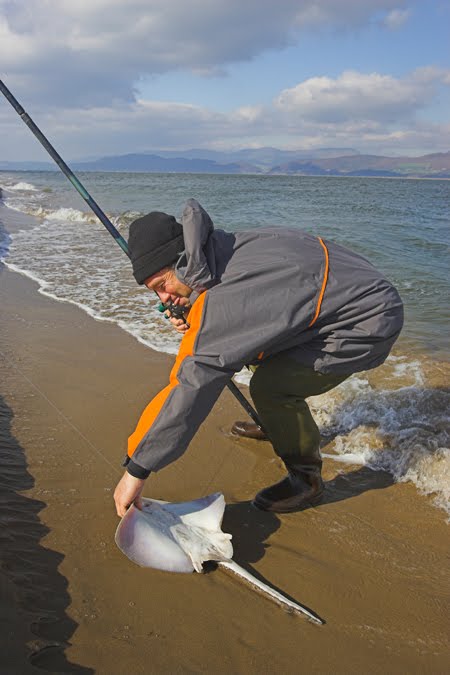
<point x="109" y="77"/>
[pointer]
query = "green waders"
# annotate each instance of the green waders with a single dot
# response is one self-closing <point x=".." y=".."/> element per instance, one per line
<point x="279" y="388"/>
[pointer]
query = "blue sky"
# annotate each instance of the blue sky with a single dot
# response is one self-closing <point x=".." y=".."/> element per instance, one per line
<point x="106" y="77"/>
<point x="424" y="38"/>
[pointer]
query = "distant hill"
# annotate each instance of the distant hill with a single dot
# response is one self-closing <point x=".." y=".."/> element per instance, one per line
<point x="262" y="158"/>
<point x="28" y="166"/>
<point x="267" y="161"/>
<point x="427" y="166"/>
<point x="156" y="163"/>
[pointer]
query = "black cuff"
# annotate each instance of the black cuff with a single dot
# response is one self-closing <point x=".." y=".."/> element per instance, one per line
<point x="136" y="470"/>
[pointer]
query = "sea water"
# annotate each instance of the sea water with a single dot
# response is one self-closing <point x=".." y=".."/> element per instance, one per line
<point x="394" y="418"/>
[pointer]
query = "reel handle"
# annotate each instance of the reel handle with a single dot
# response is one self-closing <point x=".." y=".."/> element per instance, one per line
<point x="176" y="311"/>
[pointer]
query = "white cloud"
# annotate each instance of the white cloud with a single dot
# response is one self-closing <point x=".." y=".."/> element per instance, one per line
<point x="396" y="18"/>
<point x="373" y="113"/>
<point x="89" y="52"/>
<point x="75" y="64"/>
<point x="361" y="96"/>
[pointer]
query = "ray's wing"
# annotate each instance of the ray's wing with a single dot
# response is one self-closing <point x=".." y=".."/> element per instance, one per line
<point x="175" y="537"/>
<point x="206" y="512"/>
<point x="149" y="542"/>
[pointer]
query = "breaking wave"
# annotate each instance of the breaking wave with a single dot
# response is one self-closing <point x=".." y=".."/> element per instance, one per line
<point x="22" y="186"/>
<point x="393" y="419"/>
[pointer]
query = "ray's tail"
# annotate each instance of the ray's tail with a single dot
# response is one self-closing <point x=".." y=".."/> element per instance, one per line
<point x="269" y="592"/>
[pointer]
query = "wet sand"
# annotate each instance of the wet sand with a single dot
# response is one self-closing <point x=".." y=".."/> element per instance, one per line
<point x="371" y="560"/>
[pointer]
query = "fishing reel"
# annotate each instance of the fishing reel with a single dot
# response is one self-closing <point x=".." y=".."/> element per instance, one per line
<point x="176" y="311"/>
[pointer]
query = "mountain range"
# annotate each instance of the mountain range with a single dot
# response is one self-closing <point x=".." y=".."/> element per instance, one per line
<point x="269" y="161"/>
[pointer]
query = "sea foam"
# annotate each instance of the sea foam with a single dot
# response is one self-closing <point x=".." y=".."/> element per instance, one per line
<point x="404" y="430"/>
<point x="22" y="186"/>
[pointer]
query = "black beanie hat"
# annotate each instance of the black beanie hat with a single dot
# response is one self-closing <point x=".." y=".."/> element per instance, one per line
<point x="155" y="241"/>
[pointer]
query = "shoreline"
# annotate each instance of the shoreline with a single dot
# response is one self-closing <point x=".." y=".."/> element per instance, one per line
<point x="16" y="221"/>
<point x="205" y="173"/>
<point x="370" y="560"/>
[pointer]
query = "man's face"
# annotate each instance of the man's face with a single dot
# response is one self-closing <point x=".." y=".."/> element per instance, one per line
<point x="168" y="287"/>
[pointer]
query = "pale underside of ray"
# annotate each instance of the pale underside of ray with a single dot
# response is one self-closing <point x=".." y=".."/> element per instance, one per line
<point x="181" y="537"/>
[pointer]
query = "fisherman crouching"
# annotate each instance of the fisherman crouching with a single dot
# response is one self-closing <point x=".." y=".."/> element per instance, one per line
<point x="303" y="312"/>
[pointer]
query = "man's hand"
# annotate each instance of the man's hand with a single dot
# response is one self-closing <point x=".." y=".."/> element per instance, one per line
<point x="179" y="325"/>
<point x="128" y="492"/>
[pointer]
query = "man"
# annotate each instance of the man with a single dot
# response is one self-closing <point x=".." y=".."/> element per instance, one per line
<point x="306" y="312"/>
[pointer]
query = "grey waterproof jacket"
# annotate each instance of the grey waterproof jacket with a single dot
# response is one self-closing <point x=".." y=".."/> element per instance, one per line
<point x="258" y="293"/>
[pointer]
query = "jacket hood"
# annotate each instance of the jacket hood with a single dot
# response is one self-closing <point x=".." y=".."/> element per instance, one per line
<point x="197" y="265"/>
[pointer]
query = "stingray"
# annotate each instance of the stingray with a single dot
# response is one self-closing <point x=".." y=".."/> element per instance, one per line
<point x="181" y="537"/>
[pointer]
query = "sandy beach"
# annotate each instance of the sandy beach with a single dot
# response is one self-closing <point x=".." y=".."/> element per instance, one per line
<point x="371" y="561"/>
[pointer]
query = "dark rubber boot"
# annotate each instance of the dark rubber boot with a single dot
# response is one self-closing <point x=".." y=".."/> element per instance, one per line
<point x="302" y="488"/>
<point x="248" y="430"/>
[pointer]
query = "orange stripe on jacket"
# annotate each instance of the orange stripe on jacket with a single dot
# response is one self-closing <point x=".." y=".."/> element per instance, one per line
<point x="324" y="285"/>
<point x="153" y="409"/>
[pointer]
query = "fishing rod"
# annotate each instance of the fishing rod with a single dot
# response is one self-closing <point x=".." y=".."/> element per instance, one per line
<point x="65" y="169"/>
<point x="79" y="187"/>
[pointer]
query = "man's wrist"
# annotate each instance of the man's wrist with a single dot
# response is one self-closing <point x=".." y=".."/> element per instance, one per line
<point x="136" y="470"/>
